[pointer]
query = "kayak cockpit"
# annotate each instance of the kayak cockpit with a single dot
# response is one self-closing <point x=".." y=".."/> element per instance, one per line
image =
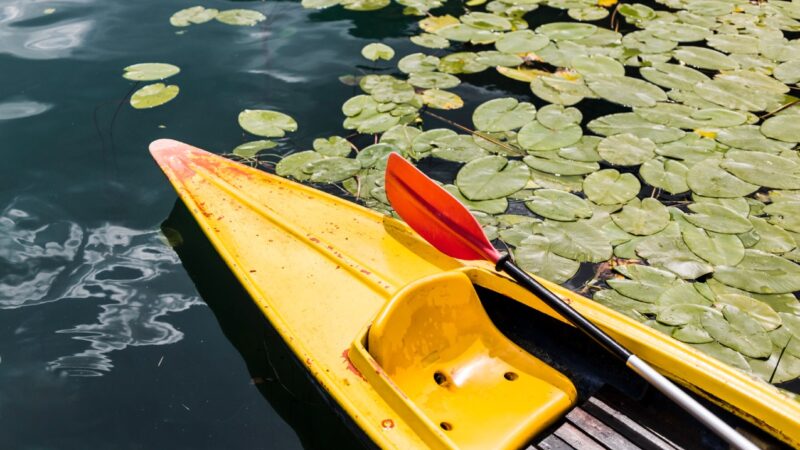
<point x="436" y="357"/>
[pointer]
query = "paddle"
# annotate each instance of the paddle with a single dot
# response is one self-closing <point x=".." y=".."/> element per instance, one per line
<point x="447" y="225"/>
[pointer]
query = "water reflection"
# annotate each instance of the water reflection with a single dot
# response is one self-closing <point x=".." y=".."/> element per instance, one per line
<point x="23" y="108"/>
<point x="26" y="31"/>
<point x="128" y="270"/>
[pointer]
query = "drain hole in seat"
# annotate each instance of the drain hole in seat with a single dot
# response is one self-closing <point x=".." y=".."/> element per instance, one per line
<point x="510" y="376"/>
<point x="446" y="426"/>
<point x="440" y="378"/>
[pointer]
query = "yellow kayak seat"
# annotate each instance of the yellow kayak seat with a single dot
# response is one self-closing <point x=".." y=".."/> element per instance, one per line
<point x="441" y="357"/>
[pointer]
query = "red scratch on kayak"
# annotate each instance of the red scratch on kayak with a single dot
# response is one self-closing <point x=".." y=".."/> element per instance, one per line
<point x="350" y="366"/>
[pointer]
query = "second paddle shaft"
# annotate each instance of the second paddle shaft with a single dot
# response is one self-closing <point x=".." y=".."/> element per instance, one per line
<point x="698" y="411"/>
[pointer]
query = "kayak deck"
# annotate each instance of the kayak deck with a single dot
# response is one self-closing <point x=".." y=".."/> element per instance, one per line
<point x="322" y="270"/>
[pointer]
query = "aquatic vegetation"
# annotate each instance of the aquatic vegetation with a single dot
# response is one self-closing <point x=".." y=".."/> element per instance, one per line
<point x="156" y="94"/>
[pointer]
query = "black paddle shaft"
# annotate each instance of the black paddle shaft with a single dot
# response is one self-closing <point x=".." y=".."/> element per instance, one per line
<point x="561" y="307"/>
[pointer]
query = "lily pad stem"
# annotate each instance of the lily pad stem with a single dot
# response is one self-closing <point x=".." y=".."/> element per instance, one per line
<point x="494" y="141"/>
<point x="784" y="107"/>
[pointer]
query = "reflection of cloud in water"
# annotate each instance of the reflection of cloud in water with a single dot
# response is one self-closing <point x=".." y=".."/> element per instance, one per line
<point x="41" y="263"/>
<point x="39" y="40"/>
<point x="20" y="109"/>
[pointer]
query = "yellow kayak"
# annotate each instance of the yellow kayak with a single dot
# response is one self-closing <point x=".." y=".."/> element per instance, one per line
<point x="397" y="333"/>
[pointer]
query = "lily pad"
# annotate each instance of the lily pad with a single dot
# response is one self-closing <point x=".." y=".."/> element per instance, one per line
<point x="643" y="283"/>
<point x="788" y="72"/>
<point x="193" y="15"/>
<point x="252" y="148"/>
<point x="418" y="62"/>
<point x="559" y="166"/>
<point x="627" y="91"/>
<point x="692" y="334"/>
<point x="433" y="80"/>
<point x="556" y="117"/>
<point x="683" y="314"/>
<point x="763" y="169"/>
<point x="333" y="146"/>
<point x="626" y="149"/>
<point x="331" y="170"/>
<point x="772" y="239"/>
<point x="609" y="187"/>
<point x="534" y="255"/>
<point x="716" y="248"/>
<point x="623" y="304"/>
<point x="241" y="17"/>
<point x="439" y="99"/>
<point x="760" y="311"/>
<point x="585" y="150"/>
<point x="718" y="218"/>
<point x="292" y="165"/>
<point x="761" y="273"/>
<point x="535" y="136"/>
<point x="785" y="214"/>
<point x="597" y="65"/>
<point x="491" y="177"/>
<point x="461" y="62"/>
<point x="667" y="250"/>
<point x="704" y="58"/>
<point x="578" y="241"/>
<point x="642" y="217"/>
<point x="430" y="41"/>
<point x="521" y="41"/>
<point x="669" y="175"/>
<point x="494" y="206"/>
<point x="266" y="123"/>
<point x="153" y="95"/>
<point x="401" y="136"/>
<point x="560" y="90"/>
<point x="150" y="71"/>
<point x="559" y="205"/>
<point x="707" y="178"/>
<point x="503" y="114"/>
<point x="634" y="124"/>
<point x="783" y="128"/>
<point x="673" y="76"/>
<point x="376" y="51"/>
<point x="374" y="156"/>
<point x="738" y="331"/>
<point x="567" y="30"/>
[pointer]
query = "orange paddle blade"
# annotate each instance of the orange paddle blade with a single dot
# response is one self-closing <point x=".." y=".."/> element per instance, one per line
<point x="435" y="214"/>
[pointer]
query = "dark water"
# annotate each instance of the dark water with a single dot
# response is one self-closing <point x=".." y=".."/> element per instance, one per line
<point x="105" y="339"/>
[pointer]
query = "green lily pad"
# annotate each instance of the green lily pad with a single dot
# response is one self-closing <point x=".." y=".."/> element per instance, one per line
<point x="461" y="62"/>
<point x="716" y="248"/>
<point x="788" y="72"/>
<point x="559" y="205"/>
<point x="535" y="136"/>
<point x="683" y="314"/>
<point x="560" y="90"/>
<point x="493" y="206"/>
<point x="486" y="21"/>
<point x="733" y="43"/>
<point x="559" y="31"/>
<point x="559" y="166"/>
<point x="292" y="165"/>
<point x="682" y="294"/>
<point x="503" y="114"/>
<point x="627" y="91"/>
<point x="609" y="187"/>
<point x="668" y="251"/>
<point x="692" y="334"/>
<point x="704" y="58"/>
<point x="718" y="218"/>
<point x="252" y="148"/>
<point x="193" y="15"/>
<point x="724" y="354"/>
<point x="669" y="175"/>
<point x="374" y="156"/>
<point x="760" y="311"/>
<point x="570" y="183"/>
<point x="150" y="71"/>
<point x="495" y="58"/>
<point x="764" y="169"/>
<point x="458" y="148"/>
<point x="625" y="305"/>
<point x="785" y="214"/>
<point x="735" y="95"/>
<point x="643" y="283"/>
<point x="673" y="76"/>
<point x="738" y="331"/>
<point x="401" y="136"/>
<point x="319" y="4"/>
<point x="430" y="41"/>
<point x="534" y="255"/>
<point x="588" y="13"/>
<point x="585" y="150"/>
<point x="241" y="17"/>
<point x="376" y="51"/>
<point x="521" y="41"/>
<point x="642" y="217"/>
<point x="761" y="273"/>
<point x="266" y="123"/>
<point x="707" y="178"/>
<point x="439" y="99"/>
<point x="433" y="80"/>
<point x="634" y="124"/>
<point x="772" y="239"/>
<point x="556" y="117"/>
<point x="491" y="177"/>
<point x="783" y="128"/>
<point x="418" y="62"/>
<point x="626" y="149"/>
<point x="597" y="65"/>
<point x="333" y="146"/>
<point x="331" y="170"/>
<point x="153" y="95"/>
<point x="578" y="241"/>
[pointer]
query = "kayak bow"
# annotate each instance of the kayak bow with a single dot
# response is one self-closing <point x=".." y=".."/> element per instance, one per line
<point x="394" y="330"/>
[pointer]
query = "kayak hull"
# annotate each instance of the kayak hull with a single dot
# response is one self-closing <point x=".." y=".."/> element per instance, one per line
<point x="324" y="270"/>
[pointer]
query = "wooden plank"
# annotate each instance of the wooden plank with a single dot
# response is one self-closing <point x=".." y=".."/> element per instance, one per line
<point x="553" y="443"/>
<point x="601" y="432"/>
<point x="576" y="438"/>
<point x="627" y="426"/>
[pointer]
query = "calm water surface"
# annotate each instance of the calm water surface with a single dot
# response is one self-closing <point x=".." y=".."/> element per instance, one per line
<point x="106" y="340"/>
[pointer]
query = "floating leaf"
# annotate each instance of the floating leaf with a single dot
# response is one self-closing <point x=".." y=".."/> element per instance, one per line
<point x="559" y="166"/>
<point x="609" y="187"/>
<point x="704" y="58"/>
<point x="250" y="149"/>
<point x="493" y="206"/>
<point x="319" y="4"/>
<point x="153" y="95"/>
<point x="535" y="136"/>
<point x="491" y="177"/>
<point x="718" y="218"/>
<point x="433" y="80"/>
<point x="633" y="124"/>
<point x="643" y="283"/>
<point x="783" y="128"/>
<point x="692" y="334"/>
<point x="503" y="114"/>
<point x="642" y="218"/>
<point x="669" y="175"/>
<point x="683" y="314"/>
<point x="430" y="41"/>
<point x="597" y="65"/>
<point x="625" y="305"/>
<point x="495" y="58"/>
<point x="627" y="91"/>
<point x="556" y="117"/>
<point x="772" y="239"/>
<point x="331" y="170"/>
<point x="585" y="150"/>
<point x="738" y="331"/>
<point x="724" y="354"/>
<point x="626" y="149"/>
<point x="486" y="21"/>
<point x="559" y="31"/>
<point x="376" y="51"/>
<point x="761" y="273"/>
<point x="589" y="13"/>
<point x="292" y="165"/>
<point x="333" y="146"/>
<point x="521" y="74"/>
<point x="788" y="72"/>
<point x="707" y="178"/>
<point x="560" y="90"/>
<point x="759" y="311"/>
<point x="683" y="294"/>
<point x="716" y="248"/>
<point x="521" y="41"/>
<point x="458" y="148"/>
<point x="579" y="241"/>
<point x="534" y="255"/>
<point x="764" y="169"/>
<point x="668" y="251"/>
<point x="571" y="183"/>
<point x="401" y="136"/>
<point x="439" y="99"/>
<point x="559" y="205"/>
<point x="241" y="17"/>
<point x="193" y="15"/>
<point x="418" y="62"/>
<point x="431" y="24"/>
<point x="785" y="214"/>
<point x="266" y="123"/>
<point x="462" y="62"/>
<point x="150" y="71"/>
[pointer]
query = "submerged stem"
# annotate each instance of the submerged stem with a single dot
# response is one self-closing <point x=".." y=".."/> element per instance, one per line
<point x="510" y="149"/>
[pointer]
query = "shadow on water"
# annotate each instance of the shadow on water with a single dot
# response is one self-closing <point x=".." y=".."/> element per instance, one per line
<point x="274" y="369"/>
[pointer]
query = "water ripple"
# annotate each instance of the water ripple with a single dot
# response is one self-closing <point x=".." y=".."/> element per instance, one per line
<point x="129" y="270"/>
